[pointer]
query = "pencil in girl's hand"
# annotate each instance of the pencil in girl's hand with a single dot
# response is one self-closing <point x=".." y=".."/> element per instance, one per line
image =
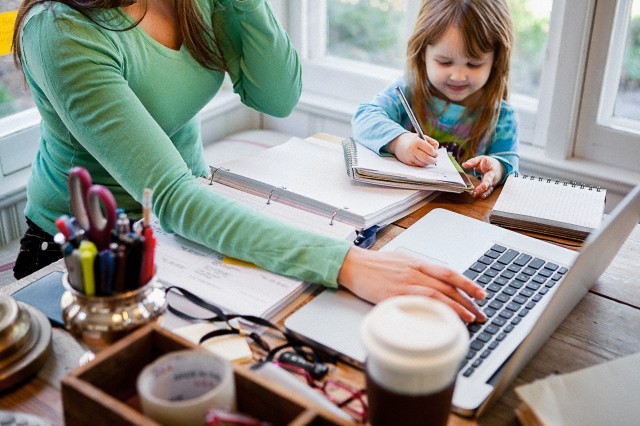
<point x="410" y="113"/>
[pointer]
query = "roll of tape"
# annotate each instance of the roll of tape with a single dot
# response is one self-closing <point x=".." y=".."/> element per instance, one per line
<point x="178" y="388"/>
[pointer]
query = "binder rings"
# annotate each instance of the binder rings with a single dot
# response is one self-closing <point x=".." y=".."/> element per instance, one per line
<point x="364" y="165"/>
<point x="308" y="175"/>
<point x="549" y="207"/>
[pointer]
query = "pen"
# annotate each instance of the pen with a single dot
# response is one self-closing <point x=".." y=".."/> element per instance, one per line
<point x="120" y="273"/>
<point x="62" y="223"/>
<point x="88" y="252"/>
<point x="410" y="113"/>
<point x="123" y="226"/>
<point x="134" y="247"/>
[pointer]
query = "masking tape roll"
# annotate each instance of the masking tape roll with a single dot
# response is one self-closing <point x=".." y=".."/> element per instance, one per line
<point x="178" y="388"/>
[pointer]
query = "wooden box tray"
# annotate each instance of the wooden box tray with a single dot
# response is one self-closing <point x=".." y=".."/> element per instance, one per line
<point x="103" y="392"/>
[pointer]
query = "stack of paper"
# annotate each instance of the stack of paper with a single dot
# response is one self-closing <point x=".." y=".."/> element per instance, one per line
<point x="606" y="394"/>
<point x="309" y="174"/>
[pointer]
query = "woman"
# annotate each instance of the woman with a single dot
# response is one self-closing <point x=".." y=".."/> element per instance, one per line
<point x="119" y="86"/>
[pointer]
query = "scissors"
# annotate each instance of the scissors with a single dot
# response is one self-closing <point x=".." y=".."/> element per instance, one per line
<point x="93" y="206"/>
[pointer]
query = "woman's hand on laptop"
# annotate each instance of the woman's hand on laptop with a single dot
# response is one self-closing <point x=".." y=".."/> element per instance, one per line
<point x="375" y="276"/>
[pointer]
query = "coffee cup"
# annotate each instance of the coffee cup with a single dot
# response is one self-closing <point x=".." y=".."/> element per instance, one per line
<point x="180" y="387"/>
<point x="414" y="347"/>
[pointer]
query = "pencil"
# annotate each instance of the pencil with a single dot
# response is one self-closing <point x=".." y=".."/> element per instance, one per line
<point x="410" y="113"/>
<point x="146" y="207"/>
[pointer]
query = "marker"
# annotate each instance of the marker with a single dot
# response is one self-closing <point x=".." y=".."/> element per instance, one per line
<point x="88" y="252"/>
<point x="148" y="261"/>
<point x="105" y="267"/>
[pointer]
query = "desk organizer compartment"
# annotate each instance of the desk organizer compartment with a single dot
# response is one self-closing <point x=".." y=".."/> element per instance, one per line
<point x="103" y="392"/>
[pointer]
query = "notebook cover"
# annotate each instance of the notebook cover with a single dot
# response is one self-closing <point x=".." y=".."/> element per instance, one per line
<point x="44" y="294"/>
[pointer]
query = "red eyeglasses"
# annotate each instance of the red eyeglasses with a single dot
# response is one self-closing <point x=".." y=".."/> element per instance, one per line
<point x="339" y="393"/>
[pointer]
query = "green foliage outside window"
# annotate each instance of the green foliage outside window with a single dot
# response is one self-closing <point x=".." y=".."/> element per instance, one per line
<point x="630" y="78"/>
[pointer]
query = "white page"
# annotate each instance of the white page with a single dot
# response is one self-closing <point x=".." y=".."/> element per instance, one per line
<point x="444" y="170"/>
<point x="316" y="169"/>
<point x="233" y="287"/>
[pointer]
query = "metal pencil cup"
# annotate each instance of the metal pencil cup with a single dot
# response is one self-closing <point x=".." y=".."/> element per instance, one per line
<point x="98" y="321"/>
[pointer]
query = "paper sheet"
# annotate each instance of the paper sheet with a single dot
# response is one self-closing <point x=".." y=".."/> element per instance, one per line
<point x="234" y="288"/>
<point x="605" y="394"/>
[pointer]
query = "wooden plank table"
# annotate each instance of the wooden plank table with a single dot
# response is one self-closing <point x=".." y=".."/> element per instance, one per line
<point x="602" y="327"/>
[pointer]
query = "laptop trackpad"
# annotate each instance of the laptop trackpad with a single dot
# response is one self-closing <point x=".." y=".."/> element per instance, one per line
<point x="421" y="256"/>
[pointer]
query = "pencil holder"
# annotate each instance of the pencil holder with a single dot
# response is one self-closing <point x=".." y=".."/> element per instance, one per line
<point x="98" y="321"/>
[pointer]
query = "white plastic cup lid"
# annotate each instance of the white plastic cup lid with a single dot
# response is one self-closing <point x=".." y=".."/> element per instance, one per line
<point x="414" y="344"/>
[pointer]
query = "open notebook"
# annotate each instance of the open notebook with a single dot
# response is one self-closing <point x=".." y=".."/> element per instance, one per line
<point x="308" y="174"/>
<point x="364" y="165"/>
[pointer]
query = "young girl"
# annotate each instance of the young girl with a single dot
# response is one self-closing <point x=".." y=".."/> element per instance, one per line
<point x="456" y="81"/>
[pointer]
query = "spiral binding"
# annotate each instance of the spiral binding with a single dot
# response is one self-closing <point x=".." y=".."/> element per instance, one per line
<point x="573" y="184"/>
<point x="350" y="154"/>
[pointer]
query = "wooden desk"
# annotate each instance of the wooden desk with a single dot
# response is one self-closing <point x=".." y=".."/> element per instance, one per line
<point x="602" y="327"/>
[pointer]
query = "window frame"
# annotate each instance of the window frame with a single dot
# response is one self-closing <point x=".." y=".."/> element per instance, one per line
<point x="601" y="136"/>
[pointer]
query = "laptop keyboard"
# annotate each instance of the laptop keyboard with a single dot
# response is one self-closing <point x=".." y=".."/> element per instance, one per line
<point x="515" y="282"/>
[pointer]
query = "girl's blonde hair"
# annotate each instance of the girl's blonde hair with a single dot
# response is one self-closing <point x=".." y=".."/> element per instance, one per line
<point x="485" y="26"/>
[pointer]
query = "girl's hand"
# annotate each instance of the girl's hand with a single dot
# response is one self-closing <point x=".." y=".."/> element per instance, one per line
<point x="375" y="276"/>
<point x="414" y="151"/>
<point x="492" y="172"/>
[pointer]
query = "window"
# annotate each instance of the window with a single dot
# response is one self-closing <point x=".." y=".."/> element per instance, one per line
<point x="14" y="96"/>
<point x="375" y="32"/>
<point x="610" y="130"/>
<point x="574" y="79"/>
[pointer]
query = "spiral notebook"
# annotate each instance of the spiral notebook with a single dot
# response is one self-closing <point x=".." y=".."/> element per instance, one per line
<point x="364" y="165"/>
<point x="308" y="175"/>
<point x="549" y="207"/>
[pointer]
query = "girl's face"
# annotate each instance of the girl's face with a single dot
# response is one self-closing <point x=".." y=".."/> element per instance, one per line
<point x="451" y="72"/>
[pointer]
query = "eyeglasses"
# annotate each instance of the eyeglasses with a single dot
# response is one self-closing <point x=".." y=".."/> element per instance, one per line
<point x="339" y="393"/>
<point x="291" y="341"/>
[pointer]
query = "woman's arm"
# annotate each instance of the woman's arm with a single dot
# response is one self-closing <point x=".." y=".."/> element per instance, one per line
<point x="263" y="65"/>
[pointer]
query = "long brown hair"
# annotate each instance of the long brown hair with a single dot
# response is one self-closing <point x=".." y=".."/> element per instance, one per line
<point x="197" y="34"/>
<point x="485" y="26"/>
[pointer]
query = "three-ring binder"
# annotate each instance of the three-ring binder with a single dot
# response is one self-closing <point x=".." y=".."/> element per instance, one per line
<point x="214" y="170"/>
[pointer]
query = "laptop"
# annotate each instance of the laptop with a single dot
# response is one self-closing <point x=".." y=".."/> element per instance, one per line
<point x="532" y="286"/>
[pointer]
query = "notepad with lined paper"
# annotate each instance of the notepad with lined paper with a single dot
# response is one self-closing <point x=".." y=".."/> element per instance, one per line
<point x="549" y="207"/>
